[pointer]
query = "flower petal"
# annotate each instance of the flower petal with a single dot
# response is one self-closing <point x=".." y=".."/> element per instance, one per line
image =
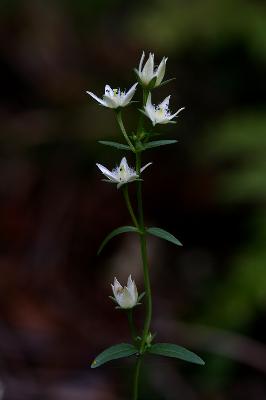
<point x="175" y="114"/>
<point x="107" y="173"/>
<point x="164" y="104"/>
<point x="108" y="91"/>
<point x="124" y="164"/>
<point x="141" y="62"/>
<point x="132" y="178"/>
<point x="128" y="299"/>
<point x="110" y="102"/>
<point x="117" y="285"/>
<point x="145" y="166"/>
<point x="147" y="72"/>
<point x="102" y="102"/>
<point x="161" y="71"/>
<point x="129" y="95"/>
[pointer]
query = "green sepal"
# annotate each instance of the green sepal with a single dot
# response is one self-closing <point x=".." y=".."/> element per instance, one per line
<point x="151" y="84"/>
<point x="175" y="351"/>
<point x="113" y="299"/>
<point x="119" y="146"/>
<point x="157" y="143"/>
<point x="165" y="82"/>
<point x="113" y="353"/>
<point x="137" y="75"/>
<point x="141" y="296"/>
<point x="142" y="111"/>
<point x="161" y="233"/>
<point x="115" y="232"/>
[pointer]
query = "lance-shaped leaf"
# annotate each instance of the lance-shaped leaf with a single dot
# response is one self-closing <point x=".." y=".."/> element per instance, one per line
<point x="113" y="353"/>
<point x="119" y="146"/>
<point x="172" y="350"/>
<point x="157" y="143"/>
<point x="115" y="232"/>
<point x="161" y="233"/>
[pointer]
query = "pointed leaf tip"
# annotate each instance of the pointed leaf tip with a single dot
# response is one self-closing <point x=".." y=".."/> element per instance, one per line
<point x="175" y="351"/>
<point x="119" y="146"/>
<point x="161" y="233"/>
<point x="157" y="143"/>
<point x="114" y="352"/>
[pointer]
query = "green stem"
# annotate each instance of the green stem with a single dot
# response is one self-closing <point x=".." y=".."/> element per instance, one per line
<point x="144" y="256"/>
<point x="123" y="130"/>
<point x="144" y="100"/>
<point x="145" y="96"/>
<point x="129" y="206"/>
<point x="143" y="245"/>
<point x="132" y="325"/>
<point x="136" y="379"/>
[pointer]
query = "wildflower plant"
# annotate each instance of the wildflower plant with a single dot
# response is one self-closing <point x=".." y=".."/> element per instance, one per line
<point x="127" y="298"/>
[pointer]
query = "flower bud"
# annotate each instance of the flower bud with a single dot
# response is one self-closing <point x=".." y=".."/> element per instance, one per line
<point x="149" y="75"/>
<point x="127" y="296"/>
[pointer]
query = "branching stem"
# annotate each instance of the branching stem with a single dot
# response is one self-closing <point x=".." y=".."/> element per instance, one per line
<point x="129" y="205"/>
<point x="123" y="130"/>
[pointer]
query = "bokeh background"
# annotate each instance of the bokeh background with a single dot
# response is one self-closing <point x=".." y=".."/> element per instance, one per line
<point x="209" y="190"/>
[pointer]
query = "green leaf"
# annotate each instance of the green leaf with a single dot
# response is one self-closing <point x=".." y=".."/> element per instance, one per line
<point x="115" y="232"/>
<point x="172" y="350"/>
<point x="161" y="233"/>
<point x="157" y="143"/>
<point x="113" y="353"/>
<point x="119" y="146"/>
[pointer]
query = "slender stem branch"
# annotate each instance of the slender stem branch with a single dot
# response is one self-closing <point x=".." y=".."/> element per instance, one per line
<point x="145" y="96"/>
<point x="132" y="325"/>
<point x="143" y="245"/>
<point x="144" y="256"/>
<point x="140" y="124"/>
<point x="123" y="130"/>
<point x="136" y="379"/>
<point x="129" y="205"/>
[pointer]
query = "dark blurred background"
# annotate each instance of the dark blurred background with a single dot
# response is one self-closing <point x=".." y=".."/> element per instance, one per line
<point x="209" y="190"/>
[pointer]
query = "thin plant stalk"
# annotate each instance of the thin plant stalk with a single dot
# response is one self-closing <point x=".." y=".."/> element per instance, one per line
<point x="123" y="130"/>
<point x="129" y="206"/>
<point x="144" y="256"/>
<point x="136" y="379"/>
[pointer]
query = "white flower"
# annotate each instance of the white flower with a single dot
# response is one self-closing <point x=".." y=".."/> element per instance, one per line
<point x="122" y="174"/>
<point x="114" y="98"/>
<point x="159" y="114"/>
<point x="149" y="72"/>
<point x="127" y="296"/>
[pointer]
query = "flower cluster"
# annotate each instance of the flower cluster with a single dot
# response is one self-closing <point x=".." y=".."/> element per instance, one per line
<point x="149" y="77"/>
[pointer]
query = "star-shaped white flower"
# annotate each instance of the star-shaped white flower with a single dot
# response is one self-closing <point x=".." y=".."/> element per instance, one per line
<point x="122" y="174"/>
<point x="159" y="114"/>
<point x="114" y="98"/>
<point x="149" y="71"/>
<point x="127" y="296"/>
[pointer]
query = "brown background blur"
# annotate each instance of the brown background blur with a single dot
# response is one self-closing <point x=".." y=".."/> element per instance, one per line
<point x="209" y="190"/>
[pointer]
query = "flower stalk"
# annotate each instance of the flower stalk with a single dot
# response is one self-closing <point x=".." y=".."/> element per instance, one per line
<point x="123" y="130"/>
<point x="127" y="298"/>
